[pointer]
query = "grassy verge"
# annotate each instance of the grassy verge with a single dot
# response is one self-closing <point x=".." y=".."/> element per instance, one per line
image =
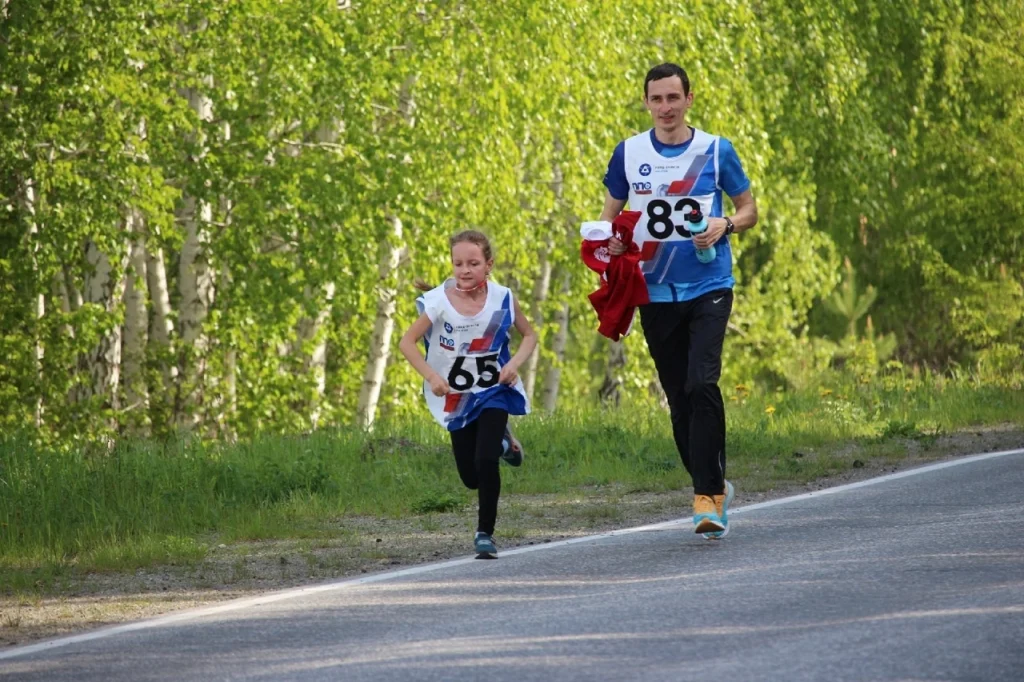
<point x="147" y="504"/>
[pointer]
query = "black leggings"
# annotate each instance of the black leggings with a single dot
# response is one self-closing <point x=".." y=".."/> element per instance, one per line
<point x="477" y="448"/>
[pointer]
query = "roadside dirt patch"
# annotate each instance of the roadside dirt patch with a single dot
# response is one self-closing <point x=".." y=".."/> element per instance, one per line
<point x="354" y="546"/>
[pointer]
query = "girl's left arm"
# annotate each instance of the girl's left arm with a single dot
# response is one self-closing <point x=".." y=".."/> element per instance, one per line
<point x="529" y="342"/>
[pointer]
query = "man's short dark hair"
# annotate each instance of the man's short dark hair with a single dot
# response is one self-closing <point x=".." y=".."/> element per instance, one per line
<point x="667" y="70"/>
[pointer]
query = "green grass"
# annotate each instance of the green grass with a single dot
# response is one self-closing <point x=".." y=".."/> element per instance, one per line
<point x="145" y="504"/>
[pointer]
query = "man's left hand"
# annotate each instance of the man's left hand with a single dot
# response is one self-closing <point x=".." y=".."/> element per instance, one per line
<point x="710" y="236"/>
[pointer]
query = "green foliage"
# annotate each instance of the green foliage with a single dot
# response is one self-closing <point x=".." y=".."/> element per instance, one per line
<point x="886" y="136"/>
<point x="899" y="429"/>
<point x="931" y="217"/>
<point x="1000" y="365"/>
<point x="848" y="303"/>
<point x="434" y="501"/>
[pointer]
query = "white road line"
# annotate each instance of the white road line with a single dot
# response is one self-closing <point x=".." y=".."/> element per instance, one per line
<point x="294" y="593"/>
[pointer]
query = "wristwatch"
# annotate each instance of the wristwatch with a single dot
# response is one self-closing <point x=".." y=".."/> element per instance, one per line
<point x="729" y="227"/>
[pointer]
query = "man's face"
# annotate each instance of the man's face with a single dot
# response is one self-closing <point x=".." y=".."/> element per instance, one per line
<point x="667" y="103"/>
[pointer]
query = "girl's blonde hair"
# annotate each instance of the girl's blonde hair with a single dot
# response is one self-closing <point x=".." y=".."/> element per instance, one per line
<point x="473" y="237"/>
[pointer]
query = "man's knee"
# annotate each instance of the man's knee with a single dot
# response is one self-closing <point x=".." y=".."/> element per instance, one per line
<point x="703" y="393"/>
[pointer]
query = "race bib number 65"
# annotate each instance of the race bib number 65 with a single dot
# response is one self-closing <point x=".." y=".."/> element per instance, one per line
<point x="481" y="371"/>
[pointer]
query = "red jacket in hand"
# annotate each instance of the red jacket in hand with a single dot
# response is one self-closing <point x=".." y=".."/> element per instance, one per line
<point x="622" y="284"/>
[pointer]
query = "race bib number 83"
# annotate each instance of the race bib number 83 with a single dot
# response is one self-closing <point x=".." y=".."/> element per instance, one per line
<point x="664" y="218"/>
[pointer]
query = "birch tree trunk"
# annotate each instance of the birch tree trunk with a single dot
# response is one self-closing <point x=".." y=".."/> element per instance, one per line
<point x="102" y="364"/>
<point x="383" y="326"/>
<point x="312" y="330"/>
<point x="195" y="289"/>
<point x="610" y="392"/>
<point x="28" y="205"/>
<point x="135" y="329"/>
<point x="161" y="328"/>
<point x="59" y="293"/>
<point x="229" y="393"/>
<point x="553" y="377"/>
<point x="231" y="385"/>
<point x="224" y="387"/>
<point x="74" y="294"/>
<point x="384" y="322"/>
<point x="540" y="294"/>
<point x="543" y="283"/>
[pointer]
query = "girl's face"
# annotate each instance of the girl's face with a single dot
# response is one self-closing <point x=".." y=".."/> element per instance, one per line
<point x="469" y="265"/>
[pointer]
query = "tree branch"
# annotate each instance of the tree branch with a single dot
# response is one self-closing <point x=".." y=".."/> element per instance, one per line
<point x="322" y="145"/>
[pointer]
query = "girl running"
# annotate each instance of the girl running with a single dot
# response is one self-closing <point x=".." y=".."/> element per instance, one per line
<point x="471" y="381"/>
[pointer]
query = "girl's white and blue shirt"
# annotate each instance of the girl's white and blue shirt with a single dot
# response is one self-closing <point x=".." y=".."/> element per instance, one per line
<point x="469" y="353"/>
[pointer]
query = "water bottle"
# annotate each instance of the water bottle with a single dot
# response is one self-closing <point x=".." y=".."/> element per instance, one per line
<point x="698" y="223"/>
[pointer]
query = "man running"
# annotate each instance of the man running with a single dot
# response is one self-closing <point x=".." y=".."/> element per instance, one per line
<point x="675" y="175"/>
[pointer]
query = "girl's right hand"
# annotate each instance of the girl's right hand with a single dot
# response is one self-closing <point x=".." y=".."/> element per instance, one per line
<point x="438" y="386"/>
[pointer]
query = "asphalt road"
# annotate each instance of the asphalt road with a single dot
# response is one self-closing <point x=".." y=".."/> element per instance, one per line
<point x="915" y="576"/>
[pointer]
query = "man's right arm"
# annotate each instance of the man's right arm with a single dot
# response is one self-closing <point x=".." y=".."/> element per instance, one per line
<point x="612" y="207"/>
<point x="615" y="182"/>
